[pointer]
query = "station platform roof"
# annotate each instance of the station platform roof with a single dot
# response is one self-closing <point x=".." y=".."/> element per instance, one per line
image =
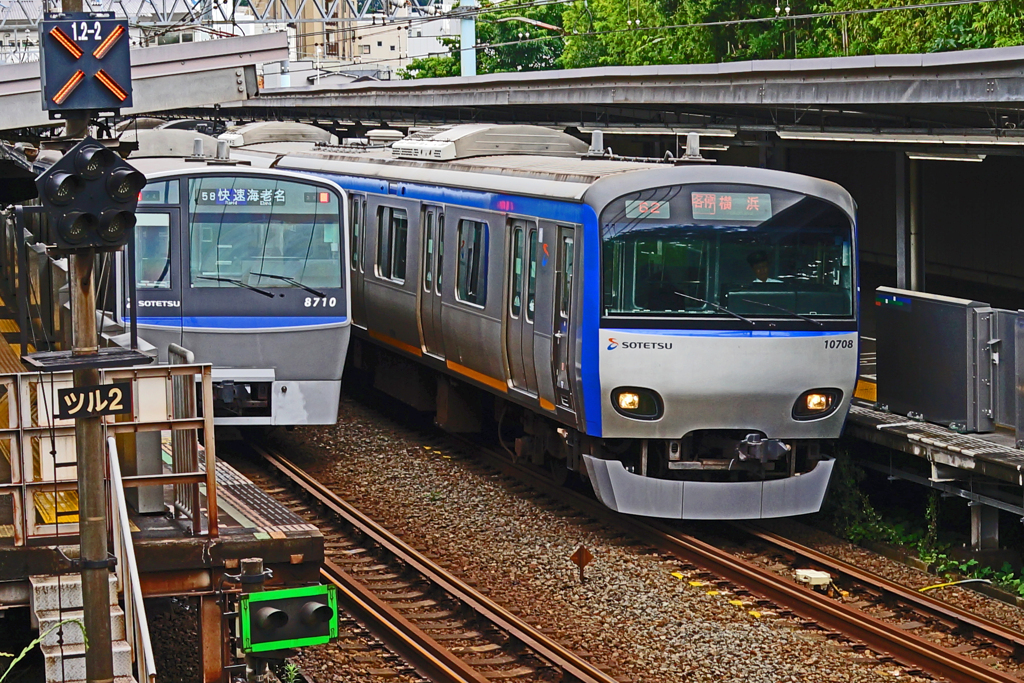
<point x="972" y="98"/>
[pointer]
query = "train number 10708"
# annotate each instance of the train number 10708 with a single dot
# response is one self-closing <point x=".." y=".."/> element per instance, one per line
<point x="838" y="343"/>
<point x="322" y="301"/>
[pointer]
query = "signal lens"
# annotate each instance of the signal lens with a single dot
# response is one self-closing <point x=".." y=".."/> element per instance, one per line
<point x="76" y="226"/>
<point x="61" y="187"/>
<point x="817" y="403"/>
<point x="115" y="224"/>
<point x="90" y="161"/>
<point x="124" y="184"/>
<point x="271" y="617"/>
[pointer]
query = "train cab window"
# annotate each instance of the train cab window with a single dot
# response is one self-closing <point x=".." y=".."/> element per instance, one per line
<point x="726" y="252"/>
<point x="531" y="277"/>
<point x="153" y="251"/>
<point x="250" y="231"/>
<point x="471" y="271"/>
<point x="357" y="207"/>
<point x="392" y="240"/>
<point x="159" y="192"/>
<point x="516" y="290"/>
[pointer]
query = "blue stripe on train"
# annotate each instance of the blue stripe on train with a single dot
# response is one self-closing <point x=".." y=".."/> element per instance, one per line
<point x="550" y="209"/>
<point x="243" y="322"/>
<point x="728" y="333"/>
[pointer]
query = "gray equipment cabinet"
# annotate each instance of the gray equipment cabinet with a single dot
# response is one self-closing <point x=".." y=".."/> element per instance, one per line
<point x="945" y="360"/>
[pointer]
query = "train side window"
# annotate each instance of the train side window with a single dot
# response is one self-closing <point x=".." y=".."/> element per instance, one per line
<point x="531" y="277"/>
<point x="355" y="226"/>
<point x="471" y="273"/>
<point x="428" y="254"/>
<point x="392" y="238"/>
<point x="153" y="250"/>
<point x="567" y="264"/>
<point x="440" y="250"/>
<point x="516" y="290"/>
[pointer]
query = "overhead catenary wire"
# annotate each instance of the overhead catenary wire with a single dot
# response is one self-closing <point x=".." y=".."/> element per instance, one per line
<point x="635" y="29"/>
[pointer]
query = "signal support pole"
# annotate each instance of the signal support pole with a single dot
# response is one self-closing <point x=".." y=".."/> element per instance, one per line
<point x="92" y="490"/>
<point x="252" y="578"/>
<point x="92" y="504"/>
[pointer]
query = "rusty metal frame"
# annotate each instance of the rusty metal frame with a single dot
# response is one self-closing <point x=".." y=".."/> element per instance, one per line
<point x="26" y="392"/>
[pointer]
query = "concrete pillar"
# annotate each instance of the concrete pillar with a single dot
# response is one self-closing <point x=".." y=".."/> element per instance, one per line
<point x="909" y="233"/>
<point x="984" y="527"/>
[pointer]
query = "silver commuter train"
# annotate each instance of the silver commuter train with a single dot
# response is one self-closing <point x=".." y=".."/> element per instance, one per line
<point x="246" y="268"/>
<point x="685" y="336"/>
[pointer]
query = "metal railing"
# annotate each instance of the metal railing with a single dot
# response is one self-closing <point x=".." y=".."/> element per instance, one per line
<point x="37" y="450"/>
<point x="128" y="581"/>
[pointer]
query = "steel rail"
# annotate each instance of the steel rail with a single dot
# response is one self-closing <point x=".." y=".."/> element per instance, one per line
<point x="422" y="652"/>
<point x="574" y="667"/>
<point x="905" y="647"/>
<point x="1002" y="636"/>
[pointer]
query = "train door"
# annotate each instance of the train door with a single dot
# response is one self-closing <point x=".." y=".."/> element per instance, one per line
<point x="356" y="238"/>
<point x="562" y="355"/>
<point x="519" y="331"/>
<point x="430" y="294"/>
<point x="158" y="275"/>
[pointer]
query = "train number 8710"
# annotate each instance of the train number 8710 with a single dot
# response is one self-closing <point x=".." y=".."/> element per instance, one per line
<point x="323" y="301"/>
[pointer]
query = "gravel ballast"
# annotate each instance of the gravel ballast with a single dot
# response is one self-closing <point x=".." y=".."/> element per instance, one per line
<point x="637" y="611"/>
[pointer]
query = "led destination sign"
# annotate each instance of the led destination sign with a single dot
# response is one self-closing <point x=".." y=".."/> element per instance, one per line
<point x="239" y="196"/>
<point x="742" y="206"/>
<point x="646" y="209"/>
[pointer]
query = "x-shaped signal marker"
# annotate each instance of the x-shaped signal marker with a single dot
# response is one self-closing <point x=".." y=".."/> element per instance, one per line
<point x="99" y="53"/>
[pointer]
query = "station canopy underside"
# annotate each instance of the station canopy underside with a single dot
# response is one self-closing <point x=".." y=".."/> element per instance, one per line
<point x="969" y="101"/>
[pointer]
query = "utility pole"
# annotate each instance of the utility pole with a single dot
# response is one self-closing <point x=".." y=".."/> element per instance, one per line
<point x="90" y="197"/>
<point x="252" y="577"/>
<point x="92" y="490"/>
<point x="92" y="493"/>
<point x="467" y="42"/>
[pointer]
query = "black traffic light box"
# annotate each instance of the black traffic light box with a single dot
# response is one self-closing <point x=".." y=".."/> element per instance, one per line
<point x="85" y="62"/>
<point x="90" y="196"/>
<point x="287" y="618"/>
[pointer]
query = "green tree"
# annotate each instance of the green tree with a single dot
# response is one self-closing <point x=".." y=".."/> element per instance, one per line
<point x="512" y="40"/>
<point x="588" y="33"/>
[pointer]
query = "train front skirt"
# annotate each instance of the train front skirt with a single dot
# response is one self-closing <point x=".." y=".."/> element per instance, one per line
<point x="634" y="494"/>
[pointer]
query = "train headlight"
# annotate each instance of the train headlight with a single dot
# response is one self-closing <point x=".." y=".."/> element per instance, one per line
<point x="629" y="400"/>
<point x="637" y="403"/>
<point x="817" y="403"/>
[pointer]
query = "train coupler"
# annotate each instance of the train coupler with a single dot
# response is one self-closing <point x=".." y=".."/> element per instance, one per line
<point x="756" y="447"/>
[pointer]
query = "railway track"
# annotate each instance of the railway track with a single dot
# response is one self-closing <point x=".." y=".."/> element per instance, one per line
<point x="912" y="633"/>
<point x="443" y="628"/>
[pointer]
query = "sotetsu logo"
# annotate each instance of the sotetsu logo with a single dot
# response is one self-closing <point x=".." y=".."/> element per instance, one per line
<point x="614" y="344"/>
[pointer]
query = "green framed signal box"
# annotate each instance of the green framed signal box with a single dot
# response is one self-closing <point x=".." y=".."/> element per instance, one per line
<point x="288" y="618"/>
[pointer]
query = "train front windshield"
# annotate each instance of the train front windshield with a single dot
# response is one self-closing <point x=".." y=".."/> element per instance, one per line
<point x="263" y="232"/>
<point x="725" y="251"/>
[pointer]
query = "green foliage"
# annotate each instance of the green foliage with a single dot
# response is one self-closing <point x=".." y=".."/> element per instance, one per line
<point x="37" y="641"/>
<point x="290" y="673"/>
<point x="640" y="32"/>
<point x="512" y="32"/>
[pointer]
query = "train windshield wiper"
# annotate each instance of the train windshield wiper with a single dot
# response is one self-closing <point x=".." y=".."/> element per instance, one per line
<point x="784" y="310"/>
<point x="291" y="281"/>
<point x="237" y="283"/>
<point x="723" y="309"/>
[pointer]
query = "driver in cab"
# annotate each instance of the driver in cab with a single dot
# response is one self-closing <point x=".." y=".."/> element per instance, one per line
<point x="758" y="261"/>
